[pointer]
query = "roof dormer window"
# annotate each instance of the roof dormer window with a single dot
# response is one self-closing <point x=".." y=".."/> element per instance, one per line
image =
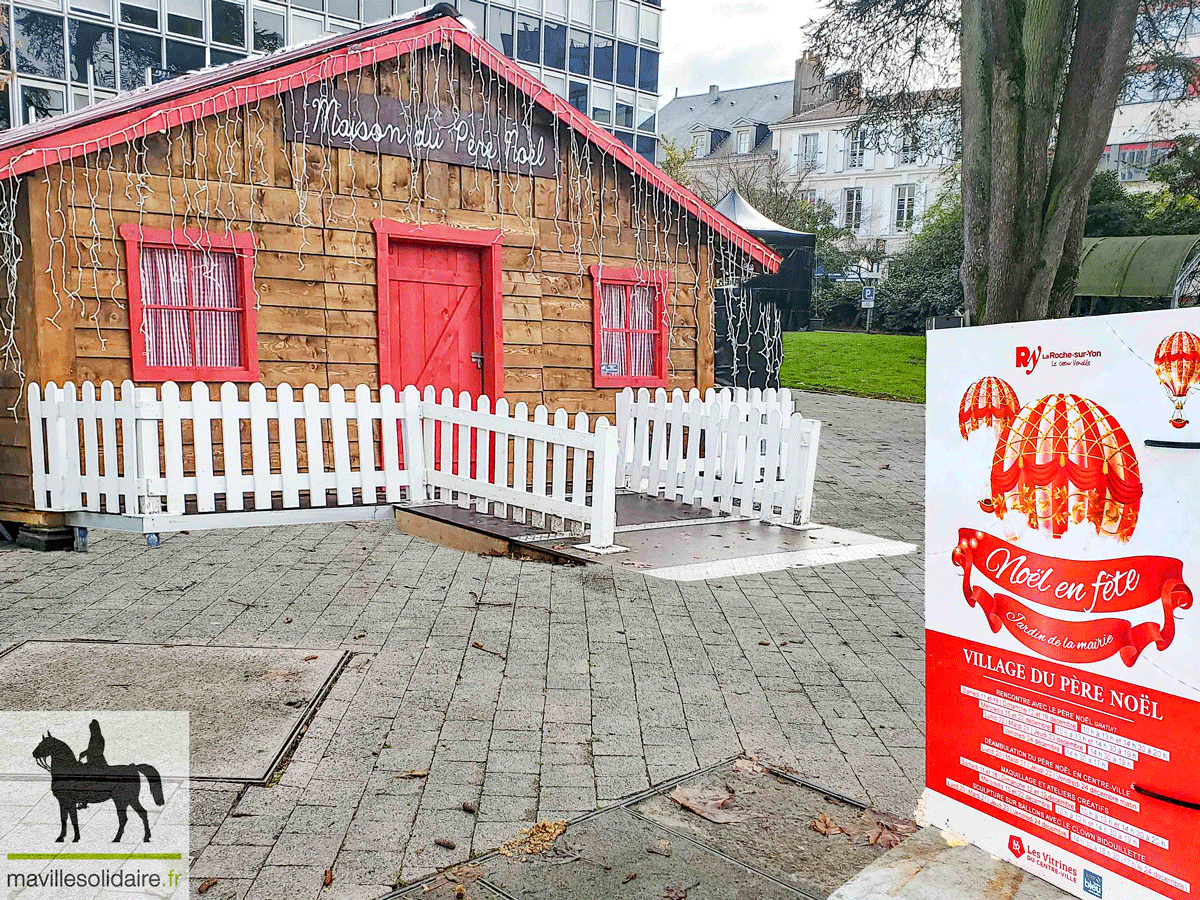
<point x="744" y="141"/>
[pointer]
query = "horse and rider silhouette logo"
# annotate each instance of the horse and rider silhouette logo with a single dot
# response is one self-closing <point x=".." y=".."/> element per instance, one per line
<point x="77" y="782"/>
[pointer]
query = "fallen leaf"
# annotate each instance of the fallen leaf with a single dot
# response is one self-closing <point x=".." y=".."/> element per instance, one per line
<point x="360" y="635"/>
<point x="445" y="842"/>
<point x="885" y="467"/>
<point x="883" y="836"/>
<point x="310" y="658"/>
<point x="460" y="893"/>
<point x="629" y="877"/>
<point x="328" y="877"/>
<point x="748" y="765"/>
<point x="469" y="808"/>
<point x="678" y="893"/>
<point x="206" y="885"/>
<point x="822" y="824"/>
<point x="764" y="643"/>
<point x="709" y="805"/>
<point x="415" y="773"/>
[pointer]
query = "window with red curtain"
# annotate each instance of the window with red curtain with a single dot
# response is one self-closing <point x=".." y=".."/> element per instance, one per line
<point x="191" y="304"/>
<point x="630" y="324"/>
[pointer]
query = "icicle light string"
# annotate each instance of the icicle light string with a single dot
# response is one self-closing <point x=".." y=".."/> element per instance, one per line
<point x="229" y="136"/>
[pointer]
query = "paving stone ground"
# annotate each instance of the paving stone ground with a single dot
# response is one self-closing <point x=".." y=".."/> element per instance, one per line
<point x="605" y="682"/>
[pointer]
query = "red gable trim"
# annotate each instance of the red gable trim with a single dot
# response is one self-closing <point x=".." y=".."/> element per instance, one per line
<point x="123" y="127"/>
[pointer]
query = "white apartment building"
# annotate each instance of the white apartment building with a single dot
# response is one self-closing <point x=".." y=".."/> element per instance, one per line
<point x="878" y="188"/>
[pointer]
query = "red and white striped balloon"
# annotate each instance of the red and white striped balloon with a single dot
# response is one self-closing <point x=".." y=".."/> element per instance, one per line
<point x="1177" y="361"/>
<point x="988" y="402"/>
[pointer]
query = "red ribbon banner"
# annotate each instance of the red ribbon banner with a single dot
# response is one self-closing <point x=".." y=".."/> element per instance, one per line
<point x="1082" y="586"/>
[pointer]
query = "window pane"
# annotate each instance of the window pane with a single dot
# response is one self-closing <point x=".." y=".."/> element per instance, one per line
<point x="477" y="13"/>
<point x="651" y="23"/>
<point x="217" y="57"/>
<point x="604" y="58"/>
<point x="602" y="101"/>
<point x="647" y="147"/>
<point x="268" y="30"/>
<point x="529" y="39"/>
<point x="556" y="8"/>
<point x="92" y="45"/>
<point x="132" y="14"/>
<point x="228" y="23"/>
<point x="166" y="328"/>
<point x="139" y="52"/>
<point x="183" y="57"/>
<point x="613" y="353"/>
<point x="184" y="25"/>
<point x="5" y="112"/>
<point x="102" y="8"/>
<point x="41" y="103"/>
<point x="310" y="4"/>
<point x="605" y="10"/>
<point x="641" y="319"/>
<point x="500" y="30"/>
<point x="218" y="334"/>
<point x="626" y="64"/>
<point x="580" y="52"/>
<point x="4" y="60"/>
<point x="646" y="114"/>
<point x="627" y="22"/>
<point x="39" y="43"/>
<point x="625" y="111"/>
<point x="625" y="137"/>
<point x="579" y="96"/>
<point x="344" y="9"/>
<point x="305" y="28"/>
<point x="556" y="45"/>
<point x="581" y="11"/>
<point x="648" y="76"/>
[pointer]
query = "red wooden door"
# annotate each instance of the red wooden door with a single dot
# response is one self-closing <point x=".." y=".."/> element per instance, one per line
<point x="436" y="293"/>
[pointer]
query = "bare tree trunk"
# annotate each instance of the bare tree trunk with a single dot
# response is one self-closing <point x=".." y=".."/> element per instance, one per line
<point x="976" y="139"/>
<point x="1046" y="125"/>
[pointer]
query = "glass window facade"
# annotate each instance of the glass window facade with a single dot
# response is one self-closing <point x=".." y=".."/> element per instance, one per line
<point x="602" y="55"/>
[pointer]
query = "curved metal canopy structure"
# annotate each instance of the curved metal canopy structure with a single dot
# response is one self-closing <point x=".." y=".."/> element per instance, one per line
<point x="1145" y="266"/>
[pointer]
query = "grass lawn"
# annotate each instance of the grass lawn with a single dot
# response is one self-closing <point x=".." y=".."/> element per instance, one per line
<point x="870" y="365"/>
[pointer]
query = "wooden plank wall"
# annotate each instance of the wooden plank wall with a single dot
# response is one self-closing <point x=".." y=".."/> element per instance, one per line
<point x="316" y="283"/>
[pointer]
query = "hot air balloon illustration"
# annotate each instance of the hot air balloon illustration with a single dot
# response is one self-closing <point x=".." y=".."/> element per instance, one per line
<point x="1064" y="461"/>
<point x="988" y="402"/>
<point x="1177" y="361"/>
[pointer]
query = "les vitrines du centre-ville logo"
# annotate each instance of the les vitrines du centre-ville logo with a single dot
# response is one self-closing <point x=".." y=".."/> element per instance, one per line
<point x="94" y="804"/>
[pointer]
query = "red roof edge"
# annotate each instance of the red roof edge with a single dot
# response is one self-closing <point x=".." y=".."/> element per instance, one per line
<point x="129" y="124"/>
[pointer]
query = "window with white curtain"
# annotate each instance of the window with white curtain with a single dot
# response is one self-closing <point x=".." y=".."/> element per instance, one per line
<point x="631" y="333"/>
<point x="191" y="304"/>
<point x="906" y="206"/>
<point x="853" y="209"/>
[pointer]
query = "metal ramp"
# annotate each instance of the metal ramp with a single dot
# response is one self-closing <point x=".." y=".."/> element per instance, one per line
<point x="663" y="538"/>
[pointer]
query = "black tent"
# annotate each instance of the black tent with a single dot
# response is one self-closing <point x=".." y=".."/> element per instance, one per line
<point x="751" y="314"/>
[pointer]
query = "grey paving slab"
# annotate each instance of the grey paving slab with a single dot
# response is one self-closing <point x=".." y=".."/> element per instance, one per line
<point x="654" y="676"/>
<point x="244" y="704"/>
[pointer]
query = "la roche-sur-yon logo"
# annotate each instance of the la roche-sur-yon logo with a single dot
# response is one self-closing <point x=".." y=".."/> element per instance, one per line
<point x="1028" y="359"/>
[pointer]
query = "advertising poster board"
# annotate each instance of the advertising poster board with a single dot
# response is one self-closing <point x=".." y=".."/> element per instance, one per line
<point x="1063" y="640"/>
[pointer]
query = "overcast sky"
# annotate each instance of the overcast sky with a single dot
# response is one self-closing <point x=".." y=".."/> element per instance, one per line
<point x="733" y="43"/>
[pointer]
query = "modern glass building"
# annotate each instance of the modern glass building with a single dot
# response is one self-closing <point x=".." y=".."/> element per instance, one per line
<point x="59" y="55"/>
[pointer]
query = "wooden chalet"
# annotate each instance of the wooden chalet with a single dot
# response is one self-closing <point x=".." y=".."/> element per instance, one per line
<point x="400" y="205"/>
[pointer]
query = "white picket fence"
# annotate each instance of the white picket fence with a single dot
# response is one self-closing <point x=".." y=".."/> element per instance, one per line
<point x="145" y="459"/>
<point x="728" y="451"/>
<point x="133" y="459"/>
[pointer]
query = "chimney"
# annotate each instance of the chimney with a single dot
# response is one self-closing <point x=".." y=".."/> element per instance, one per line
<point x="809" y="88"/>
<point x="714" y="93"/>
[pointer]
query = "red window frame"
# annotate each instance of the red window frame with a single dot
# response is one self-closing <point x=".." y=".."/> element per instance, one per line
<point x="603" y="276"/>
<point x="242" y="245"/>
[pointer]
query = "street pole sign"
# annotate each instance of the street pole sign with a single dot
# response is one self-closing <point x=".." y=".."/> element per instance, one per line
<point x="1062" y="637"/>
<point x="868" y="303"/>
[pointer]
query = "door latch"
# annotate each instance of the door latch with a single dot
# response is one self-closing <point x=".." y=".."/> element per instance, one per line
<point x="477" y="358"/>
